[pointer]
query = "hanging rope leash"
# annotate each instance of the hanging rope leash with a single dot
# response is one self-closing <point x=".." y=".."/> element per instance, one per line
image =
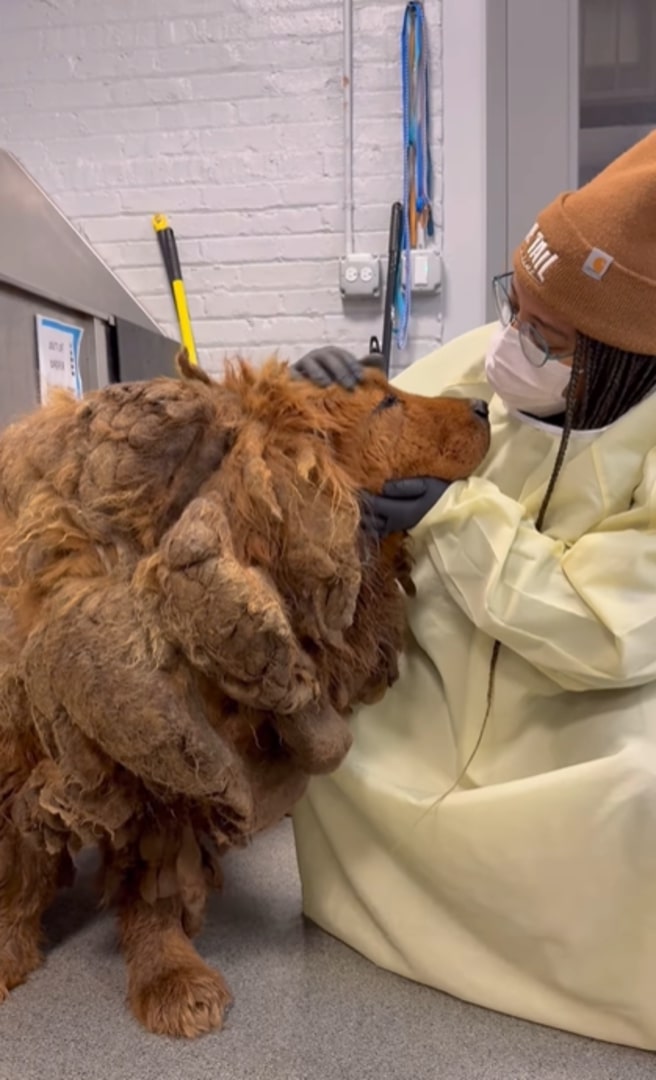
<point x="418" y="223"/>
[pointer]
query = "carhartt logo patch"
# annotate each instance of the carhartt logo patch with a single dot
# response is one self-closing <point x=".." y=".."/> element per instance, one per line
<point x="597" y="263"/>
<point x="538" y="258"/>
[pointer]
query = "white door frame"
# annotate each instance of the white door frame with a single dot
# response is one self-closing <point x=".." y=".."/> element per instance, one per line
<point x="510" y="107"/>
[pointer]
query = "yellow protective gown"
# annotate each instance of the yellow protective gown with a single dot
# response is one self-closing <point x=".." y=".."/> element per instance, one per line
<point x="531" y="889"/>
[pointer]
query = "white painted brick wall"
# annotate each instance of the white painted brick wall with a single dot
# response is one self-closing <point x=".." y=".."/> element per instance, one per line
<point x="227" y="116"/>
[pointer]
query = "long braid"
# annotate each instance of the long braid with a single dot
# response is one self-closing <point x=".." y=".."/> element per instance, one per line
<point x="578" y="365"/>
<point x="571" y="402"/>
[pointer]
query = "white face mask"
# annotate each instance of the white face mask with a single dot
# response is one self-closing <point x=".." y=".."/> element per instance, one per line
<point x="522" y="386"/>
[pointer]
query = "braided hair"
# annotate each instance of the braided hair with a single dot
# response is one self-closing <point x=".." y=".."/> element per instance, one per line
<point x="606" y="382"/>
<point x="614" y="382"/>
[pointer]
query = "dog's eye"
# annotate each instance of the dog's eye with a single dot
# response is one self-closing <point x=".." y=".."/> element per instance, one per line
<point x="388" y="401"/>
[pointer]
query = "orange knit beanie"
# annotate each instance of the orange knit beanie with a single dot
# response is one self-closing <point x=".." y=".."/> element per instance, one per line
<point x="591" y="254"/>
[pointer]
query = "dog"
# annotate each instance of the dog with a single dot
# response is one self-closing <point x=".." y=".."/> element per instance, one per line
<point x="189" y="610"/>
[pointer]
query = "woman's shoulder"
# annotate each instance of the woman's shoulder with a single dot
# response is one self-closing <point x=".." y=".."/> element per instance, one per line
<point x="459" y="362"/>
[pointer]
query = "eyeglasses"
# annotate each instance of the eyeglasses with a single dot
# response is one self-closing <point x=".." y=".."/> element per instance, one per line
<point x="536" y="350"/>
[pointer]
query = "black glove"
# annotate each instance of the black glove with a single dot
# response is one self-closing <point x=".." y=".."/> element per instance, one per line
<point x="330" y="366"/>
<point x="401" y="506"/>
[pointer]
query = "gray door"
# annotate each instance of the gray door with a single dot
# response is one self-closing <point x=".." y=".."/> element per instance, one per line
<point x="581" y="90"/>
<point x="617" y="79"/>
<point x="539" y="96"/>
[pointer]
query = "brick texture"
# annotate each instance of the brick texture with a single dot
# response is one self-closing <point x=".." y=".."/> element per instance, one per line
<point x="227" y="116"/>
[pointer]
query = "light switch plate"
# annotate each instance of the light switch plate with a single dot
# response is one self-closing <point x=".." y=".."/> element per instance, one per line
<point x="426" y="265"/>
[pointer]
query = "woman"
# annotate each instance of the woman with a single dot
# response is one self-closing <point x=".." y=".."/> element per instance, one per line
<point x="493" y="831"/>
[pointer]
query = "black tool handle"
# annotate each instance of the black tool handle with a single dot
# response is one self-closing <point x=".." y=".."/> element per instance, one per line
<point x="393" y="267"/>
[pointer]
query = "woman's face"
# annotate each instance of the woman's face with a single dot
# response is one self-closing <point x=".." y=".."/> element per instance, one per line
<point x="559" y="335"/>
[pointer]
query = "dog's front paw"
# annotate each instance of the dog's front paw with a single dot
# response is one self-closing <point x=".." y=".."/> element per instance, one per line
<point x="18" y="960"/>
<point x="186" y="1001"/>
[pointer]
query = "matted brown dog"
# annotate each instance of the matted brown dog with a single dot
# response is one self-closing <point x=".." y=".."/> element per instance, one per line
<point x="189" y="608"/>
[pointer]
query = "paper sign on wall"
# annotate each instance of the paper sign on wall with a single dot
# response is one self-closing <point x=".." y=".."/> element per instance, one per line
<point x="58" y="348"/>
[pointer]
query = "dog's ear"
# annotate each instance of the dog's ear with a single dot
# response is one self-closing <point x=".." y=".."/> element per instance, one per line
<point x="187" y="370"/>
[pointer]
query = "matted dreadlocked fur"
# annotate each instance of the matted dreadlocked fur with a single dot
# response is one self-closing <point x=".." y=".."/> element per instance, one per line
<point x="189" y="609"/>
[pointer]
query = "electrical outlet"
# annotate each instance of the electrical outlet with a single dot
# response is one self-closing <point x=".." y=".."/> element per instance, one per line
<point x="359" y="275"/>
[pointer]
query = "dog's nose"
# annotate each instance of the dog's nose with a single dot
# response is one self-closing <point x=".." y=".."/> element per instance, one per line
<point x="480" y="408"/>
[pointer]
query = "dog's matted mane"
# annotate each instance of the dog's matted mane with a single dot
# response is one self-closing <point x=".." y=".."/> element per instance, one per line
<point x="189" y="609"/>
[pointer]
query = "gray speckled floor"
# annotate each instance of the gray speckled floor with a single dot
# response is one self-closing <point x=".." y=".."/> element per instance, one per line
<point x="307" y="1008"/>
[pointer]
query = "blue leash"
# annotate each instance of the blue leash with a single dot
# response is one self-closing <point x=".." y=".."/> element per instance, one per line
<point x="417" y="162"/>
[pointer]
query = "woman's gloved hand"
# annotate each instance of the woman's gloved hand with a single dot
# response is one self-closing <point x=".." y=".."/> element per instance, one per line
<point x="329" y="366"/>
<point x="401" y="506"/>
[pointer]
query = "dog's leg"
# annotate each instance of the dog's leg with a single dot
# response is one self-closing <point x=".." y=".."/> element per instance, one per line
<point x="170" y="989"/>
<point x="28" y="873"/>
<point x="28" y="882"/>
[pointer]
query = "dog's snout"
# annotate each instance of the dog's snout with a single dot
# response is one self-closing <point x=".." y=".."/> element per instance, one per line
<point x="480" y="408"/>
